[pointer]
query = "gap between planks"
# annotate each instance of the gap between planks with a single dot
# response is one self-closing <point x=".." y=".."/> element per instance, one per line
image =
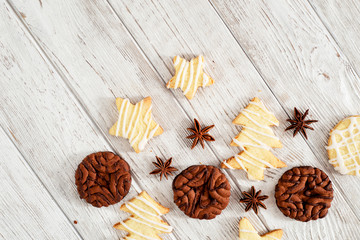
<point x="84" y="108"/>
<point x="41" y="182"/>
<point x="147" y="59"/>
<point x="135" y="182"/>
<point x="282" y="106"/>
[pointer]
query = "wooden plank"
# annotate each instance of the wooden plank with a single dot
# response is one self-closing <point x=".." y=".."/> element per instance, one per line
<point x="341" y="18"/>
<point x="105" y="63"/>
<point x="27" y="209"/>
<point x="293" y="50"/>
<point x="96" y="73"/>
<point x="54" y="133"/>
<point x="188" y="27"/>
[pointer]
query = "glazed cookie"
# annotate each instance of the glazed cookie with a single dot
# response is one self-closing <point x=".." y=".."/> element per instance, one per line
<point x="103" y="179"/>
<point x="201" y="191"/>
<point x="256" y="139"/>
<point x="189" y="76"/>
<point x="145" y="221"/>
<point x="304" y="193"/>
<point x="135" y="123"/>
<point x="248" y="232"/>
<point x="344" y="146"/>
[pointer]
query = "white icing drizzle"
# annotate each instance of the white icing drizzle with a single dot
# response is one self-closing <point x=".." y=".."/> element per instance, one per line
<point x="261" y="133"/>
<point x="128" y="129"/>
<point x="149" y="204"/>
<point x="345" y="142"/>
<point x="228" y="165"/>
<point x="193" y="77"/>
<point x="189" y="83"/>
<point x="136" y="232"/>
<point x="240" y="163"/>
<point x="138" y="211"/>
<point x="261" y="105"/>
<point x="180" y="71"/>
<point x="246" y="130"/>
<point x="245" y="113"/>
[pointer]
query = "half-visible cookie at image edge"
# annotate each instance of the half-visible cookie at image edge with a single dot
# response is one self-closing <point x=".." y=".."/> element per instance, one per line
<point x="304" y="193"/>
<point x="103" y="179"/>
<point x="344" y="146"/>
<point x="201" y="191"/>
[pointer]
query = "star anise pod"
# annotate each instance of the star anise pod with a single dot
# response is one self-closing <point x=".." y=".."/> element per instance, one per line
<point x="163" y="168"/>
<point x="299" y="124"/>
<point x="253" y="200"/>
<point x="200" y="135"/>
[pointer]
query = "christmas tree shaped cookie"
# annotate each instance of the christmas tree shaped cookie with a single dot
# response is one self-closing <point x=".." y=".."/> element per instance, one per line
<point x="248" y="232"/>
<point x="256" y="139"/>
<point x="135" y="123"/>
<point x="145" y="221"/>
<point x="189" y="76"/>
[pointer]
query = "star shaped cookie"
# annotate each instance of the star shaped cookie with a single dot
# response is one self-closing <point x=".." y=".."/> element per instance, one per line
<point x="135" y="123"/>
<point x="247" y="232"/>
<point x="189" y="76"/>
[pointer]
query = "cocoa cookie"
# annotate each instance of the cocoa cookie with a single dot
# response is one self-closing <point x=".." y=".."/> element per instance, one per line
<point x="201" y="191"/>
<point x="304" y="193"/>
<point x="103" y="179"/>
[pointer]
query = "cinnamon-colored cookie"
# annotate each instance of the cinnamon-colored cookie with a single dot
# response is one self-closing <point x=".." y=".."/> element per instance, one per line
<point x="304" y="193"/>
<point x="201" y="191"/>
<point x="103" y="179"/>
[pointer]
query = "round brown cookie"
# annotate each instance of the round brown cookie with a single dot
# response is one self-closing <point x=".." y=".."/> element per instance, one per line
<point x="103" y="179"/>
<point x="201" y="191"/>
<point x="304" y="193"/>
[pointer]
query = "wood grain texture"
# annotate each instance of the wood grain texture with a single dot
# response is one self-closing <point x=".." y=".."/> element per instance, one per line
<point x="341" y="18"/>
<point x="94" y="58"/>
<point x="27" y="209"/>
<point x="86" y="54"/>
<point x="52" y="131"/>
<point x="298" y="58"/>
<point x="197" y="35"/>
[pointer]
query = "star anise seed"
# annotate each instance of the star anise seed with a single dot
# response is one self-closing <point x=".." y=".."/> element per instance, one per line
<point x="299" y="124"/>
<point x="163" y="168"/>
<point x="253" y="200"/>
<point x="200" y="135"/>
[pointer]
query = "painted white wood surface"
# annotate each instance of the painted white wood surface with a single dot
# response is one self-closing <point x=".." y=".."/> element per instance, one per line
<point x="27" y="209"/>
<point x="64" y="62"/>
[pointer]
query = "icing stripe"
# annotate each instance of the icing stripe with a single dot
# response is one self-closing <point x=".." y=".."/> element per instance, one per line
<point x="137" y="233"/>
<point x="340" y="159"/>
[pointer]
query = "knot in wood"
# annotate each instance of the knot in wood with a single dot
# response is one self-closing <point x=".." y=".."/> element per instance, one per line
<point x="201" y="191"/>
<point x="304" y="193"/>
<point x="103" y="179"/>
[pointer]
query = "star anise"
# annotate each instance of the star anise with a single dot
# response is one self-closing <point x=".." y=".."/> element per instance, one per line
<point x="253" y="200"/>
<point x="200" y="135"/>
<point x="163" y="168"/>
<point x="299" y="123"/>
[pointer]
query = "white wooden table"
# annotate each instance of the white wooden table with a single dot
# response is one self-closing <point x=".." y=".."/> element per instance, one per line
<point x="62" y="63"/>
